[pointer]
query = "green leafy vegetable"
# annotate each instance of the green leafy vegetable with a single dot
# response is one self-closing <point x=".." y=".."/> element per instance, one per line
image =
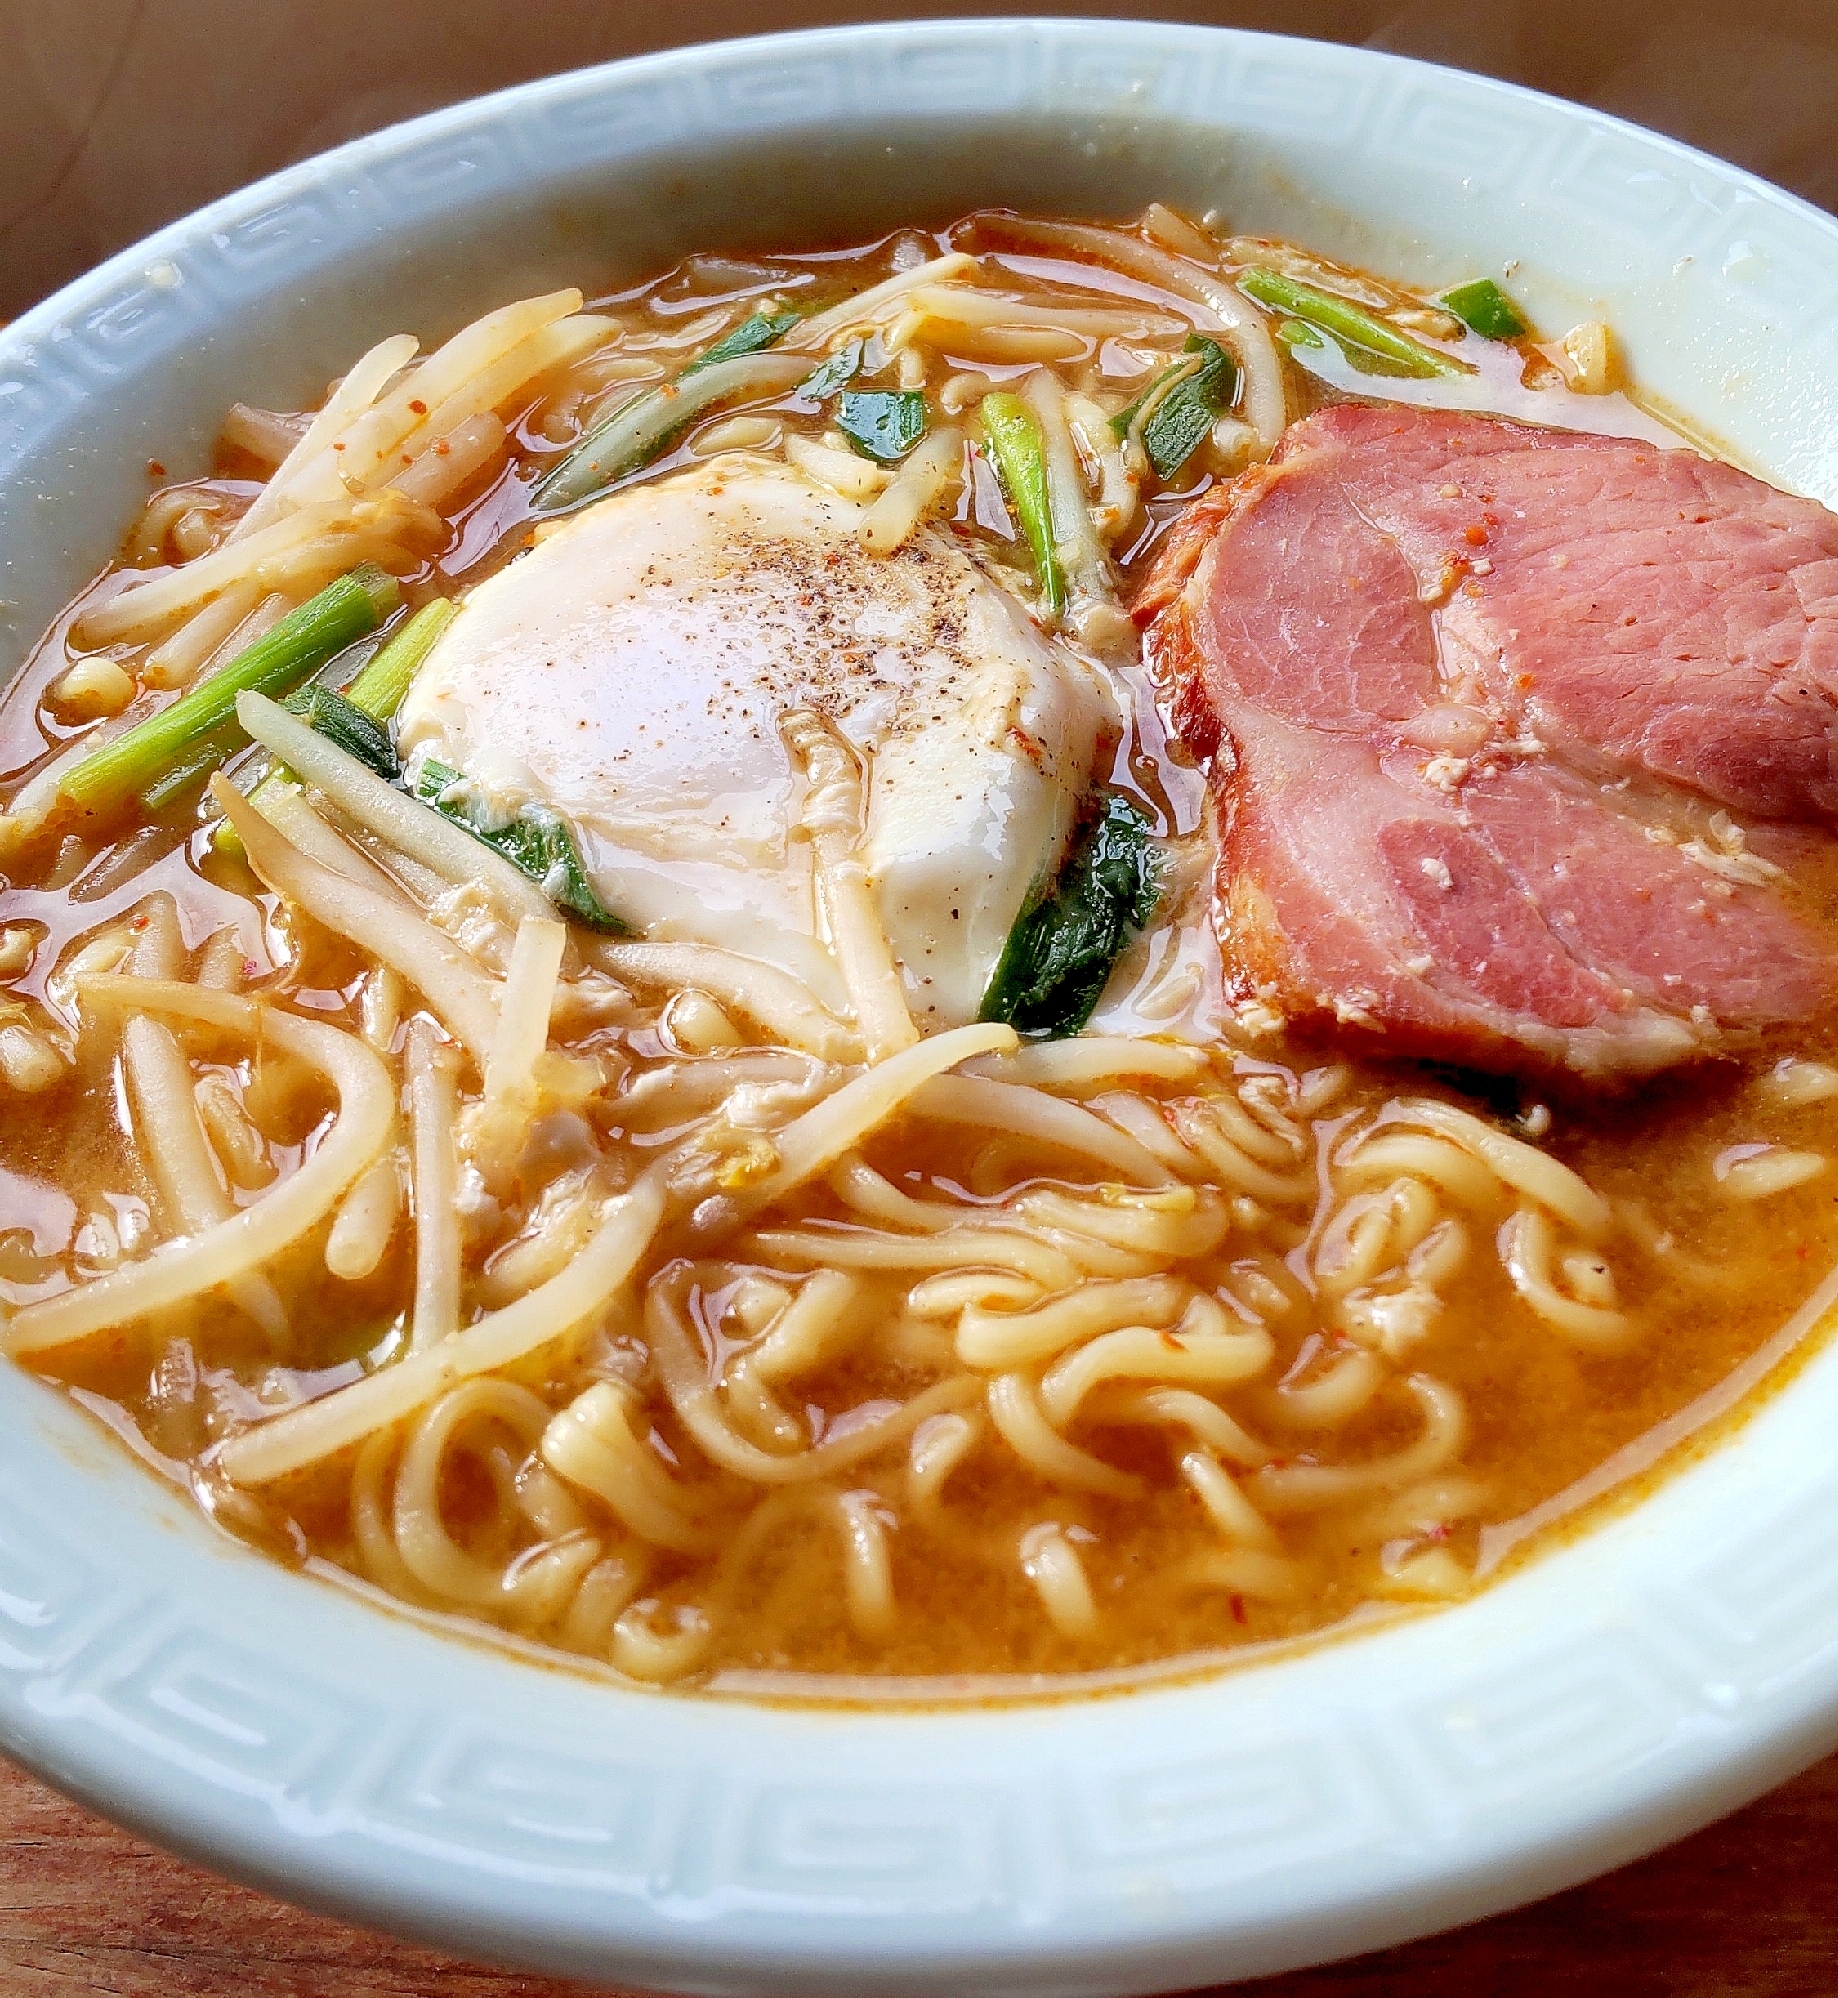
<point x="761" y="330"/>
<point x="1483" y="306"/>
<point x="539" y="842"/>
<point x="1181" y="419"/>
<point x="377" y="692"/>
<point x="648" y="424"/>
<point x="135" y="763"/>
<point x="209" y="753"/>
<point x="1014" y="442"/>
<point x="1060" y="953"/>
<point x="1355" y="329"/>
<point x="346" y="726"/>
<point x="842" y="366"/>
<point x="379" y="688"/>
<point x="1124" y="418"/>
<point x="883" y="424"/>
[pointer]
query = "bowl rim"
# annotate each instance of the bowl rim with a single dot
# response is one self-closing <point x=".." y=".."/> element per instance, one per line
<point x="1749" y="1711"/>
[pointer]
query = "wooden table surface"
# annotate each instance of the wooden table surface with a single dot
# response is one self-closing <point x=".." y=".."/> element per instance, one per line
<point x="1748" y="1909"/>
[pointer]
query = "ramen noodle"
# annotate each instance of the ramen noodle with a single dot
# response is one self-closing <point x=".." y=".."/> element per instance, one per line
<point x="556" y="1061"/>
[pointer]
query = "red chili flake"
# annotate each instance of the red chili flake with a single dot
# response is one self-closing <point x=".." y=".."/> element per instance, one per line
<point x="339" y="446"/>
<point x="442" y="448"/>
<point x="406" y="459"/>
<point x="250" y="968"/>
<point x="418" y="406"/>
<point x="155" y="470"/>
<point x="138" y="922"/>
<point x="1439" y="1532"/>
<point x="1475" y="537"/>
<point x="1238" y="1615"/>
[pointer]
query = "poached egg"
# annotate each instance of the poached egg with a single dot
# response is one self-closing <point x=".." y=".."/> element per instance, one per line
<point x="629" y="673"/>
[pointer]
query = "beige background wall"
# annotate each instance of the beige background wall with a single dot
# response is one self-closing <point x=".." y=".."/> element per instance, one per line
<point x="116" y="115"/>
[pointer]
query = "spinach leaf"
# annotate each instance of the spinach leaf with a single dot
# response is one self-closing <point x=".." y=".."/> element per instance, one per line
<point x="538" y="841"/>
<point x="1061" y="951"/>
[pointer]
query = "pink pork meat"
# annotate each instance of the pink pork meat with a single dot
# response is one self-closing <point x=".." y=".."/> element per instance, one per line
<point x="1525" y="741"/>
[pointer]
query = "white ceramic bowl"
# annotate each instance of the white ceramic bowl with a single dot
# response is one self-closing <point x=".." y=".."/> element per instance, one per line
<point x="1616" y="1694"/>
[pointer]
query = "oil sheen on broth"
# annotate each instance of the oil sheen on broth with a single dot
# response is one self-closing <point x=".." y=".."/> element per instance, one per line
<point x="578" y="1068"/>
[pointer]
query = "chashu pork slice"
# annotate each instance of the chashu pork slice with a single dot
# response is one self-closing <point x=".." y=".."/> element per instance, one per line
<point x="1505" y="725"/>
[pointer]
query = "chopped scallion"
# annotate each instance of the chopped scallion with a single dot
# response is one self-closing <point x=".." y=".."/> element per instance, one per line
<point x="1014" y="442"/>
<point x="379" y="688"/>
<point x="647" y="425"/>
<point x="1182" y="418"/>
<point x="377" y="693"/>
<point x="1350" y="325"/>
<point x="761" y="330"/>
<point x="842" y="367"/>
<point x="344" y="724"/>
<point x="1483" y="306"/>
<point x="134" y="763"/>
<point x="1124" y="418"/>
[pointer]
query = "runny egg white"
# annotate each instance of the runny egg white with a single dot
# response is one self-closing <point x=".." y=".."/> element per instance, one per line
<point x="629" y="673"/>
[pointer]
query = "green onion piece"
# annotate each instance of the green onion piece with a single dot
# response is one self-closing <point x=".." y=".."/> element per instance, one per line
<point x="842" y="366"/>
<point x="646" y="426"/>
<point x="1189" y="410"/>
<point x="344" y="724"/>
<point x="376" y="693"/>
<point x="1061" y="951"/>
<point x="1349" y="324"/>
<point x="747" y="338"/>
<point x="1483" y="306"/>
<point x="1014" y="442"/>
<point x="1120" y="423"/>
<point x="1298" y="333"/>
<point x="301" y="643"/>
<point x="538" y="842"/>
<point x="210" y="753"/>
<point x="883" y="424"/>
<point x="379" y="688"/>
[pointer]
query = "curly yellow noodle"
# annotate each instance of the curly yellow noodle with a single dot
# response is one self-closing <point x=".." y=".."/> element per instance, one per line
<point x="1287" y="1488"/>
<point x="243" y="1243"/>
<point x="307" y="1435"/>
<point x="1200" y="1348"/>
<point x="437" y="1561"/>
<point x="1032" y="1113"/>
<point x="595" y="1444"/>
<point x="999" y="1340"/>
<point x="1523" y="1167"/>
<point x="1225" y="1504"/>
<point x="1015" y="1410"/>
<point x="1051" y="1562"/>
<point x="685" y="1378"/>
<point x="1528" y="1248"/>
<point x="1182" y="1408"/>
